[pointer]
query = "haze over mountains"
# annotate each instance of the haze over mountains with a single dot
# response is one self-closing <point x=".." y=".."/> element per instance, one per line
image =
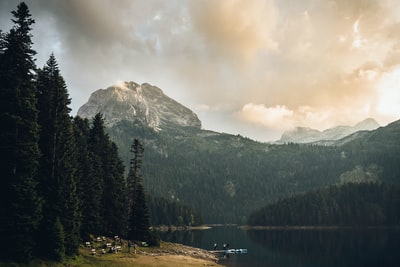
<point x="309" y="135"/>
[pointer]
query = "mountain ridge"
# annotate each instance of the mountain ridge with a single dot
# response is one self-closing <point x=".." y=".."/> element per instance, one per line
<point x="309" y="135"/>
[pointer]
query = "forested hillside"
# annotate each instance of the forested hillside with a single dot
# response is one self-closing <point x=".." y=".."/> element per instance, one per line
<point x="368" y="204"/>
<point x="225" y="177"/>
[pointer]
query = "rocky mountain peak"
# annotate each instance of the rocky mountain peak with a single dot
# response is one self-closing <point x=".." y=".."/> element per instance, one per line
<point x="143" y="103"/>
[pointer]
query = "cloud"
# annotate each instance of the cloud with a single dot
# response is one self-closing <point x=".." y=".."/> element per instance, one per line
<point x="236" y="30"/>
<point x="280" y="117"/>
<point x="277" y="116"/>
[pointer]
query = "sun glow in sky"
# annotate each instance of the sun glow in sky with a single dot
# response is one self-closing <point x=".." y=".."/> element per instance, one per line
<point x="389" y="93"/>
<point x="249" y="67"/>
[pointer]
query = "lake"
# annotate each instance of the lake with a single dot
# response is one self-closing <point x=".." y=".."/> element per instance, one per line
<point x="299" y="247"/>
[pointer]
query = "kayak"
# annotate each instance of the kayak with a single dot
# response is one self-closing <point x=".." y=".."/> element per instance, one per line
<point x="236" y="251"/>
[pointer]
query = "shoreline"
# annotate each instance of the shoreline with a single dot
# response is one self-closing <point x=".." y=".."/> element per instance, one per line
<point x="317" y="227"/>
<point x="166" y="228"/>
<point x="168" y="255"/>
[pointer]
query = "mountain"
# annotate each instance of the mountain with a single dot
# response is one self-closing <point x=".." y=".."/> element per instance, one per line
<point x="144" y="103"/>
<point x="309" y="135"/>
<point x="225" y="176"/>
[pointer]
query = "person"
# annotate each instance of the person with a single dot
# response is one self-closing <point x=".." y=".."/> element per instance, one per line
<point x="134" y="246"/>
<point x="129" y="246"/>
<point x="215" y="246"/>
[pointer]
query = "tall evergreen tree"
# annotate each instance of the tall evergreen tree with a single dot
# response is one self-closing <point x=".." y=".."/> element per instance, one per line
<point x="108" y="179"/>
<point x="58" y="161"/>
<point x="114" y="205"/>
<point x="57" y="250"/>
<point x="85" y="180"/>
<point x="138" y="224"/>
<point x="20" y="210"/>
<point x="96" y="143"/>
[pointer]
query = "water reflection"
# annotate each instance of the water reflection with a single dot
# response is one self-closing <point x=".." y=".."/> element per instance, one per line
<point x="305" y="248"/>
<point x="328" y="247"/>
<point x="192" y="238"/>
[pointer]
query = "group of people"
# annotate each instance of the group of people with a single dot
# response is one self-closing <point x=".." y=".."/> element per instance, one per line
<point x="134" y="246"/>
<point x="225" y="246"/>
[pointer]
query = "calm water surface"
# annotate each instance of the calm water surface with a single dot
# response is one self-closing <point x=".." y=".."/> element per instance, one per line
<point x="300" y="248"/>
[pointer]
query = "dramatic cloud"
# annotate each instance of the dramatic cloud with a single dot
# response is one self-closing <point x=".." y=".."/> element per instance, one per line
<point x="253" y="67"/>
<point x="236" y="30"/>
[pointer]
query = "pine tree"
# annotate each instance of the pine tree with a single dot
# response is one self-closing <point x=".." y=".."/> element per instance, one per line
<point x="138" y="223"/>
<point x="20" y="210"/>
<point x="57" y="250"/>
<point x="85" y="180"/>
<point x="96" y="144"/>
<point x="114" y="205"/>
<point x="58" y="161"/>
<point x="108" y="217"/>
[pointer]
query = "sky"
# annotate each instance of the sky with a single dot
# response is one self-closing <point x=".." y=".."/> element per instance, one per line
<point x="249" y="67"/>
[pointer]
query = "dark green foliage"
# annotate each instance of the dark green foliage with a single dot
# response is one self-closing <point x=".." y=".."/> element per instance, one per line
<point x="56" y="247"/>
<point x="105" y="193"/>
<point x="225" y="177"/>
<point x="138" y="214"/>
<point x="58" y="163"/>
<point x="86" y="185"/>
<point x="20" y="210"/>
<point x="350" y="204"/>
<point x="165" y="212"/>
<point x="96" y="143"/>
<point x="114" y="198"/>
<point x="66" y="167"/>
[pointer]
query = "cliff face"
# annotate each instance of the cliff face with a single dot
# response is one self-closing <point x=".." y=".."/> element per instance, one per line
<point x="144" y="103"/>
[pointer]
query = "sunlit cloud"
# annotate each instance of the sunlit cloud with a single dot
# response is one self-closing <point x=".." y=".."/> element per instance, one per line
<point x="235" y="29"/>
<point x="282" y="118"/>
<point x="389" y="94"/>
<point x="278" y="116"/>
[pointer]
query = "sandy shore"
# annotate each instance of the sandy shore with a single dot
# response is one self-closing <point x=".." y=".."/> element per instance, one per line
<point x="167" y="255"/>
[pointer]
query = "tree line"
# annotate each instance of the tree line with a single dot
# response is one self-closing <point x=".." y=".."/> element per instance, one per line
<point x="351" y="204"/>
<point x="61" y="177"/>
<point x="165" y="212"/>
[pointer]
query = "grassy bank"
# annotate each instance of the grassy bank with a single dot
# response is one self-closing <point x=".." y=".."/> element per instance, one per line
<point x="167" y="255"/>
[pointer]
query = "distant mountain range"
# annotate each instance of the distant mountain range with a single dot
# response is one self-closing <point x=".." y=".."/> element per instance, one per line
<point x="227" y="176"/>
<point x="309" y="135"/>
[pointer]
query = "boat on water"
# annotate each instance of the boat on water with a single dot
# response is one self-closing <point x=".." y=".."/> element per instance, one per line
<point x="231" y="251"/>
<point x="236" y="251"/>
